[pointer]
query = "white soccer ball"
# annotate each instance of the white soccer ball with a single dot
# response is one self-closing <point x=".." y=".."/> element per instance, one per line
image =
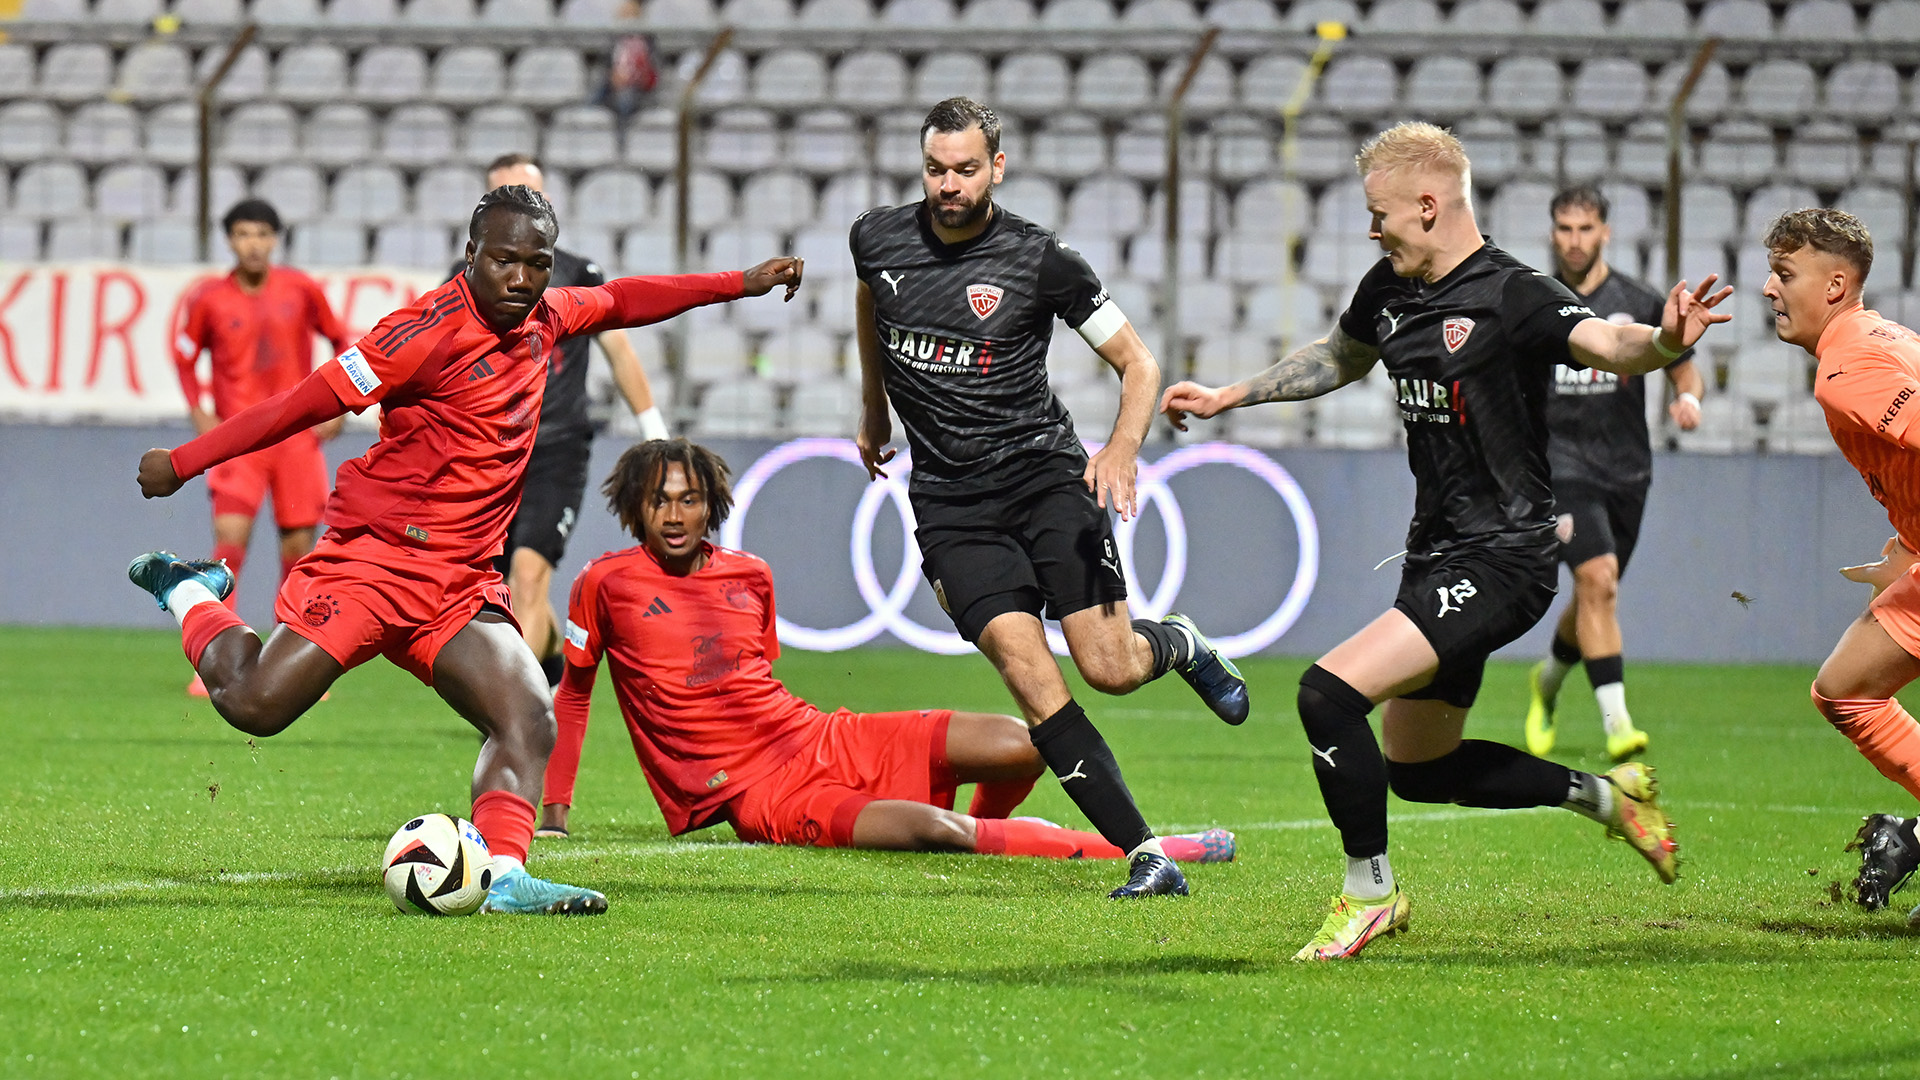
<point x="437" y="865"/>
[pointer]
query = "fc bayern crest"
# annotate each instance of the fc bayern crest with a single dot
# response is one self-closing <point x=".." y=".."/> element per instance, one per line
<point x="983" y="299"/>
<point x="1454" y="332"/>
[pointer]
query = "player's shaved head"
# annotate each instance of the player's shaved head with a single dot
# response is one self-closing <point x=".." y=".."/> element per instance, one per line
<point x="1824" y="229"/>
<point x="1418" y="148"/>
<point x="640" y="475"/>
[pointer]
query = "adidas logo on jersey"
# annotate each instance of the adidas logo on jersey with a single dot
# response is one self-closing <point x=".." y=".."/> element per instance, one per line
<point x="658" y="607"/>
<point x="480" y="370"/>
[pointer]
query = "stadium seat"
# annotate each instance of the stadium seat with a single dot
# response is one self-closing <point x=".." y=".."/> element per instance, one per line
<point x="335" y="134"/>
<point x="1572" y="148"/>
<point x="159" y="243"/>
<point x="53" y="10"/>
<point x="1799" y="426"/>
<point x="1519" y="216"/>
<point x="1483" y="17"/>
<point x="1077" y="15"/>
<point x="447" y="194"/>
<point x="648" y="250"/>
<point x="998" y="14"/>
<point x="83" y="239"/>
<point x="1243" y="147"/>
<point x="950" y="74"/>
<point x="579" y="137"/>
<point x="1324" y="149"/>
<point x="736" y="406"/>
<point x="130" y="192"/>
<point x="247" y="79"/>
<point x="833" y="298"/>
<point x="1268" y="82"/>
<point x="726" y="81"/>
<point x="1105" y="206"/>
<point x="1525" y="88"/>
<point x="1708" y="214"/>
<point x="789" y="78"/>
<point x="1140" y="148"/>
<point x="1610" y="88"/>
<point x="363" y="12"/>
<point x="126" y="11"/>
<point x="1290" y="312"/>
<point x="824" y="247"/>
<point x="389" y="74"/>
<point x="439" y="12"/>
<point x="1739" y="152"/>
<point x="849" y="195"/>
<point x="835" y="14"/>
<point x="1212" y="89"/>
<point x="663" y="14"/>
<point x="17" y="70"/>
<point x="1339" y="259"/>
<point x="822" y="142"/>
<point x="1641" y="155"/>
<point x="1883" y="210"/>
<point x="371" y="193"/>
<point x="1307" y="14"/>
<point x="1069" y="146"/>
<point x="1114" y="82"/>
<point x="419" y="135"/>
<point x="1359" y="416"/>
<point x="75" y="72"/>
<point x="1762" y="207"/>
<point x="1768" y="371"/>
<point x="1268" y="204"/>
<point x="1779" y="91"/>
<point x="1736" y="20"/>
<point x="740" y="141"/>
<point x="709" y="202"/>
<point x="1146" y="258"/>
<point x="1888" y="156"/>
<point x="871" y="81"/>
<point x="1444" y="86"/>
<point x="1274" y="426"/>
<point x="156" y="71"/>
<point x="493" y="130"/>
<point x="770" y="14"/>
<point x="1222" y="357"/>
<point x="258" y="134"/>
<point x="558" y="188"/>
<point x="1251" y="258"/>
<point x="312" y="73"/>
<point x="616" y="197"/>
<point x="1712" y="94"/>
<point x="1569" y="18"/>
<point x="1894" y="23"/>
<point x="652" y="142"/>
<point x="285" y="12"/>
<point x="1359" y="86"/>
<point x="1819" y="20"/>
<point x="1030" y="196"/>
<point x="1203" y="208"/>
<point x="795" y="354"/>
<point x="171" y="135"/>
<point x="896" y="143"/>
<point x="1654" y="19"/>
<point x="1160" y="15"/>
<point x="1629" y="214"/>
<point x="1342" y="208"/>
<point x="1862" y="91"/>
<point x="327" y="243"/>
<point x="918" y="14"/>
<point x="102" y="132"/>
<point x="20" y="240"/>
<point x="1091" y="404"/>
<point x="1725" y="426"/>
<point x="50" y="189"/>
<point x="1492" y="145"/>
<point x="825" y="408"/>
<point x="547" y="75"/>
<point x="466" y="74"/>
<point x="1824" y="154"/>
<point x="183" y="199"/>
<point x="297" y="191"/>
<point x="1032" y="84"/>
<point x="523" y="13"/>
<point x="1402" y="17"/>
<point x="414" y="244"/>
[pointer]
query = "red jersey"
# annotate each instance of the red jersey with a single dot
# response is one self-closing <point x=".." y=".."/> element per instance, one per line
<point x="262" y="342"/>
<point x="692" y="661"/>
<point x="1867" y="382"/>
<point x="460" y="403"/>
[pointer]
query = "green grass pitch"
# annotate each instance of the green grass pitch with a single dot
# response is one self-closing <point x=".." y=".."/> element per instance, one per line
<point x="175" y="901"/>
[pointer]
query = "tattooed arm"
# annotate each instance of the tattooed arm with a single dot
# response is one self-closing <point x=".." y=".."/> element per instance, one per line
<point x="1312" y="370"/>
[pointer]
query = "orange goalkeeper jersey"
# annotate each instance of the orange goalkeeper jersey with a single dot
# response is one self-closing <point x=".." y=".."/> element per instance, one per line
<point x="1867" y="382"/>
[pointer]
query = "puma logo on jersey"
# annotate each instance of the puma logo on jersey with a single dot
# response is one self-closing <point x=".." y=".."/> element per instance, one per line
<point x="1393" y="323"/>
<point x="893" y="281"/>
<point x="1076" y="774"/>
<point x="1324" y="755"/>
<point x="1454" y="597"/>
<point x="658" y="607"/>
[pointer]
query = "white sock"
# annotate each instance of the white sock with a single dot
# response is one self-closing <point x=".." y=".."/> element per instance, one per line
<point x="1553" y="674"/>
<point x="1612" y="699"/>
<point x="1590" y="796"/>
<point x="1152" y="845"/>
<point x="186" y="596"/>
<point x="1369" y="879"/>
<point x="504" y="865"/>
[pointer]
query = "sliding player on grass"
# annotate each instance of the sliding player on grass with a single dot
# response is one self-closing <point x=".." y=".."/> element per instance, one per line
<point x="1867" y="382"/>
<point x="406" y="567"/>
<point x="688" y="630"/>
<point x="1470" y="337"/>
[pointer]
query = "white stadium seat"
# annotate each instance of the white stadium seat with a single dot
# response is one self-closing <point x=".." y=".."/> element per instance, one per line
<point x="790" y="78"/>
<point x="370" y="193"/>
<point x="870" y="80"/>
<point x="336" y="134"/>
<point x="466" y="74"/>
<point x="418" y="135"/>
<point x="579" y="137"/>
<point x="130" y="192"/>
<point x="76" y="71"/>
<point x="310" y="74"/>
<point x="446" y="195"/>
<point x="389" y="74"/>
<point x="493" y="130"/>
<point x="1114" y="82"/>
<point x="777" y="199"/>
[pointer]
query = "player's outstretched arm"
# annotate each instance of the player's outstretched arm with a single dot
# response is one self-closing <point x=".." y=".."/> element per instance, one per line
<point x="876" y="426"/>
<point x="1310" y="371"/>
<point x="1115" y="468"/>
<point x="1635" y="349"/>
<point x="309" y="402"/>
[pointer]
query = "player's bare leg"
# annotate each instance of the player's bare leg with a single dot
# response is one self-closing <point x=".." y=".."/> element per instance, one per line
<point x="1854" y="691"/>
<point x="1117" y="654"/>
<point x="231" y="535"/>
<point x="1016" y="643"/>
<point x="529" y="580"/>
<point x="294" y="545"/>
<point x="262" y="689"/>
<point x="486" y="673"/>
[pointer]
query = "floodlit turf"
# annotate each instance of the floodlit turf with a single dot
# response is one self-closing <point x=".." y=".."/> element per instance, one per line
<point x="175" y="900"/>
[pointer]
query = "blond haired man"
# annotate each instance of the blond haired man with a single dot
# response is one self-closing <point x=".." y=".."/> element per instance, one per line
<point x="1470" y="337"/>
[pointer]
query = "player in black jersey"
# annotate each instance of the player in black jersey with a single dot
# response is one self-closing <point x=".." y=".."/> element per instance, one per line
<point x="1470" y="337"/>
<point x="1602" y="464"/>
<point x="956" y="304"/>
<point x="556" y="478"/>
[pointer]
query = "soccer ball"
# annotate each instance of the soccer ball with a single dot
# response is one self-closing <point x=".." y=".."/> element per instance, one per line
<point x="438" y="865"/>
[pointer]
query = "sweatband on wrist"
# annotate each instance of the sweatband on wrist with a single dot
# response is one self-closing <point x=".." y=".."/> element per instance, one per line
<point x="1670" y="354"/>
<point x="1687" y="397"/>
<point x="652" y="424"/>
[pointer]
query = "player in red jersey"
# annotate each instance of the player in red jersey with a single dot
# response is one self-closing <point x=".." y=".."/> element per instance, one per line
<point x="257" y="324"/>
<point x="688" y="629"/>
<point x="406" y="567"/>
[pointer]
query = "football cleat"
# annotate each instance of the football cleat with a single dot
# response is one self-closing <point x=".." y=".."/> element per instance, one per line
<point x="1353" y="923"/>
<point x="1638" y="819"/>
<point x="517" y="892"/>
<point x="550" y="832"/>
<point x="1889" y="853"/>
<point x="1151" y="875"/>
<point x="1540" y="715"/>
<point x="1213" y="845"/>
<point x="1627" y="744"/>
<point x="1211" y="674"/>
<point x="159" y="571"/>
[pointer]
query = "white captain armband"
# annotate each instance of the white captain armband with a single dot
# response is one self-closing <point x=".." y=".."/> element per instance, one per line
<point x="1106" y="321"/>
<point x="576" y="636"/>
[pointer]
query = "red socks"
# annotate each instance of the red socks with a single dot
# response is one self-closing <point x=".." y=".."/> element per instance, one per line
<point x="236" y="557"/>
<point x="1883" y="731"/>
<point x="993" y="836"/>
<point x="505" y="821"/>
<point x="999" y="798"/>
<point x="202" y="623"/>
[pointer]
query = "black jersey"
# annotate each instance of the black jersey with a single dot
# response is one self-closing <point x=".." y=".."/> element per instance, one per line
<point x="1471" y="357"/>
<point x="1596" y="420"/>
<point x="965" y="329"/>
<point x="563" y="412"/>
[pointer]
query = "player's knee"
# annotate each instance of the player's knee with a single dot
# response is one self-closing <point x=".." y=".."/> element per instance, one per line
<point x="1597" y="581"/>
<point x="1837" y="705"/>
<point x="944" y="830"/>
<point x="254" y="713"/>
<point x="1423" y="781"/>
<point x="1109" y="675"/>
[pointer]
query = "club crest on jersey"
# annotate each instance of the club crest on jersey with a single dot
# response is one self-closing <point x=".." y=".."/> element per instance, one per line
<point x="983" y="299"/>
<point x="1454" y="332"/>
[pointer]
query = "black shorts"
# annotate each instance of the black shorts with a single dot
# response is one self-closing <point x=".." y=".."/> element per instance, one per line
<point x="550" y="500"/>
<point x="1595" y="521"/>
<point x="1470" y="602"/>
<point x="1045" y="547"/>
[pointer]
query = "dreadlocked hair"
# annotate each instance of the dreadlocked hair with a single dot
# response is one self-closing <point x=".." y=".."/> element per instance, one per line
<point x="640" y="473"/>
<point x="520" y="199"/>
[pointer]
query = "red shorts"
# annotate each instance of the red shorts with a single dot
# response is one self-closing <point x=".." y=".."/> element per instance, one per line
<point x="858" y="758"/>
<point x="296" y="470"/>
<point x="361" y="597"/>
<point x="1897" y="610"/>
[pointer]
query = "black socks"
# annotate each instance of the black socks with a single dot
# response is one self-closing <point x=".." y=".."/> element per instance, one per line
<point x="1567" y="652"/>
<point x="1481" y="773"/>
<point x="1076" y="753"/>
<point x="1346" y="760"/>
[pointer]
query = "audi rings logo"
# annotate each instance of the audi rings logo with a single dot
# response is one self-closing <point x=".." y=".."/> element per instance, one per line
<point x="887" y="602"/>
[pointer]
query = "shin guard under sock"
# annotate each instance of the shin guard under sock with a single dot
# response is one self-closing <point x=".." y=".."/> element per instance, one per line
<point x="1884" y="733"/>
<point x="505" y="821"/>
<point x="1562" y="656"/>
<point x="996" y="837"/>
<point x="999" y="798"/>
<point x="1346" y="760"/>
<point x="1481" y="773"/>
<point x="201" y="624"/>
<point x="1076" y="753"/>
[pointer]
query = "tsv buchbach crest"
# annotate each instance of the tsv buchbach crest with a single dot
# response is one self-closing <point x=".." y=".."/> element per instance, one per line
<point x="1454" y="333"/>
<point x="983" y="299"/>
